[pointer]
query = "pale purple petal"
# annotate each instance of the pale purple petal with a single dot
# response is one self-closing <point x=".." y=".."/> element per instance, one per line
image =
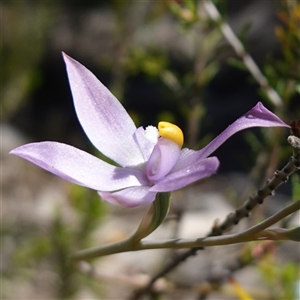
<point x="258" y="116"/>
<point x="163" y="158"/>
<point x="130" y="197"/>
<point x="103" y="118"/>
<point x="187" y="157"/>
<point x="145" y="144"/>
<point x="79" y="167"/>
<point x="177" y="180"/>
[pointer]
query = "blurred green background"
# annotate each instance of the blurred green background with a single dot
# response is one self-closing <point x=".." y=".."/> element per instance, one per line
<point x="164" y="60"/>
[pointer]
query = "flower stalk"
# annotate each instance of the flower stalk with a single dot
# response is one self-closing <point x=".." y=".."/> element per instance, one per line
<point x="153" y="219"/>
<point x="257" y="232"/>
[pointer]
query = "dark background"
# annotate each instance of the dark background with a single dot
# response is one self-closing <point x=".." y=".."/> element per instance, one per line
<point x="101" y="35"/>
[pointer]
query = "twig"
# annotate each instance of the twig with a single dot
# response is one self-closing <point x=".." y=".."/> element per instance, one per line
<point x="253" y="233"/>
<point x="233" y="218"/>
<point x="279" y="178"/>
<point x="241" y="52"/>
<point x="129" y="245"/>
<point x="245" y="236"/>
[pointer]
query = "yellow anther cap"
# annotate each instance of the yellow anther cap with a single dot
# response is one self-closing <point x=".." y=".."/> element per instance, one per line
<point x="171" y="132"/>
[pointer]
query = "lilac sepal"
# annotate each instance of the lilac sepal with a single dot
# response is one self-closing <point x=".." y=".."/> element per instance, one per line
<point x="258" y="116"/>
<point x="80" y="167"/>
<point x="102" y="117"/>
<point x="130" y="197"/>
<point x="177" y="180"/>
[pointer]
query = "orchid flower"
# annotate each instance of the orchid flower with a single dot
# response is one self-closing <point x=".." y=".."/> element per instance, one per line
<point x="149" y="161"/>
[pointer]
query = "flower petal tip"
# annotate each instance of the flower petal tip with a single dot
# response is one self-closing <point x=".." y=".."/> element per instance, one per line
<point x="259" y="111"/>
<point x="66" y="56"/>
<point x="17" y="151"/>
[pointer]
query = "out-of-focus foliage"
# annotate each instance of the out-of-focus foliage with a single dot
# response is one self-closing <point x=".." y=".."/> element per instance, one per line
<point x="141" y="61"/>
<point x="283" y="72"/>
<point x="281" y="278"/>
<point x="49" y="248"/>
<point x="185" y="11"/>
<point x="90" y="211"/>
<point x="130" y="50"/>
<point x="296" y="187"/>
<point x="25" y="27"/>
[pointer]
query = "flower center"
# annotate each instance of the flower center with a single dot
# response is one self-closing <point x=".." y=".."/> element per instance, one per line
<point x="171" y="132"/>
<point x="152" y="134"/>
<point x="165" y="153"/>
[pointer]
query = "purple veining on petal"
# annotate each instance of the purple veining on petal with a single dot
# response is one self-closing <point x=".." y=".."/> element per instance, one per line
<point x="163" y="158"/>
<point x="80" y="167"/>
<point x="130" y="197"/>
<point x="192" y="173"/>
<point x="102" y="117"/>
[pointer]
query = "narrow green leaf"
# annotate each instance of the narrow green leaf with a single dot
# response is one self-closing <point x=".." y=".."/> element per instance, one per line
<point x="236" y="63"/>
<point x="154" y="217"/>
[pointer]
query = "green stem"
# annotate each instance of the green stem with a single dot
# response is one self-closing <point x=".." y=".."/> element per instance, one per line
<point x="153" y="219"/>
<point x="242" y="53"/>
<point x="248" y="235"/>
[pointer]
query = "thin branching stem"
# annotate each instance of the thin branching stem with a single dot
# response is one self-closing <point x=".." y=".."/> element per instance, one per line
<point x="245" y="236"/>
<point x="214" y="238"/>
<point x="242" y="53"/>
<point x="233" y="218"/>
<point x="268" y="189"/>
